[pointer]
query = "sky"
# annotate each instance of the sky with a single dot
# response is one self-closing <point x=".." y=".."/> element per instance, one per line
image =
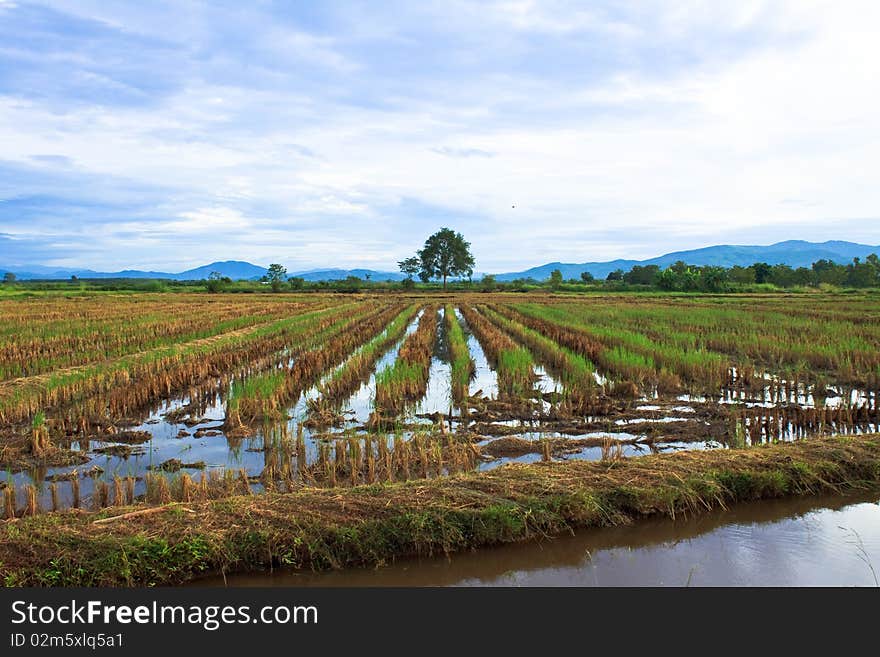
<point x="166" y="135"/>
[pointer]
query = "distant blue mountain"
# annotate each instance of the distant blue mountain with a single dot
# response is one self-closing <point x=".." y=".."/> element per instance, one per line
<point x="339" y="274"/>
<point x="234" y="269"/>
<point x="796" y="253"/>
<point x="33" y="272"/>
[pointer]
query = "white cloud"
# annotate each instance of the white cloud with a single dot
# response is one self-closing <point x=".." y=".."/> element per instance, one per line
<point x="648" y="156"/>
<point x="207" y="220"/>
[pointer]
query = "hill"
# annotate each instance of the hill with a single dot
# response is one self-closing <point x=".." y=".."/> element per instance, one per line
<point x="796" y="253"/>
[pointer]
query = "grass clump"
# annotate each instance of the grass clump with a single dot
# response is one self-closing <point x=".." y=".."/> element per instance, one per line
<point x="460" y="360"/>
<point x="406" y="380"/>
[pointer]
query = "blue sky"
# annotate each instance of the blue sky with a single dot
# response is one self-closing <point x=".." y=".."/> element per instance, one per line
<point x="164" y="135"/>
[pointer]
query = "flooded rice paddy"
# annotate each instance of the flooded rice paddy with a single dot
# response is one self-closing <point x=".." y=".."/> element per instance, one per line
<point x="190" y="432"/>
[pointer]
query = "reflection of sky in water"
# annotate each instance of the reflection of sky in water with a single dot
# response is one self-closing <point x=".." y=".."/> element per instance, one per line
<point x="593" y="453"/>
<point x="546" y="381"/>
<point x="820" y="548"/>
<point x="799" y="541"/>
<point x="438" y="394"/>
<point x="358" y="407"/>
<point x="803" y="396"/>
<point x="485" y="380"/>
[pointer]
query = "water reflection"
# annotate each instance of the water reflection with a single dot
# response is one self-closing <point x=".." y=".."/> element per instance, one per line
<point x="832" y="541"/>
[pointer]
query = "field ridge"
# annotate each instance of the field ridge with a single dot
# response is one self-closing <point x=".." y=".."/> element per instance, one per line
<point x="371" y="525"/>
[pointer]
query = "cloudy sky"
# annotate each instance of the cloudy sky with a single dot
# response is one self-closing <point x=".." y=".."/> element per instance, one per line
<point x="164" y="135"/>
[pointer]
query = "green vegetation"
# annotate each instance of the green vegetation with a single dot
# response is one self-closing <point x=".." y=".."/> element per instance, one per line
<point x="123" y="383"/>
<point x="275" y="277"/>
<point x="446" y="259"/>
<point x="268" y="394"/>
<point x="512" y="362"/>
<point x="406" y="379"/>
<point x="628" y="355"/>
<point x="79" y="375"/>
<point x="217" y="282"/>
<point x="370" y="525"/>
<point x="572" y="368"/>
<point x="459" y="355"/>
<point x="696" y="340"/>
<point x="445" y="254"/>
<point x="103" y="352"/>
<point x="345" y="379"/>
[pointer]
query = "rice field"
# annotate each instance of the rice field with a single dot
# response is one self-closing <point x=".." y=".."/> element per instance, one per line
<point x="111" y="400"/>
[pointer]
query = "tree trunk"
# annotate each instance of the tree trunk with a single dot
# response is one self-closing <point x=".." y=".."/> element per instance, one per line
<point x="444" y="282"/>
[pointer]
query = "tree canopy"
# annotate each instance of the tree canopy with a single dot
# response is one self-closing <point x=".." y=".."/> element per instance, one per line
<point x="410" y="266"/>
<point x="445" y="254"/>
<point x="275" y="276"/>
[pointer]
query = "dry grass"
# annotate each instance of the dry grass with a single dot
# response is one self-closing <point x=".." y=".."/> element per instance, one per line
<point x="335" y="528"/>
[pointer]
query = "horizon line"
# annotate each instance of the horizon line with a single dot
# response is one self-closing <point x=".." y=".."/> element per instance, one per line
<point x="294" y="272"/>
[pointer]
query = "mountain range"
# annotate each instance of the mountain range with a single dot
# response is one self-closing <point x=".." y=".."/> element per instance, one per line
<point x="234" y="269"/>
<point x="796" y="253"/>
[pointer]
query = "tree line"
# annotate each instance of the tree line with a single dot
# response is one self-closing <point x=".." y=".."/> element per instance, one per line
<point x="446" y="260"/>
<point x="433" y="268"/>
<point x="710" y="278"/>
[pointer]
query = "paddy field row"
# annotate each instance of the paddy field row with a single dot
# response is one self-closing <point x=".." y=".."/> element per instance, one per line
<point x="142" y="398"/>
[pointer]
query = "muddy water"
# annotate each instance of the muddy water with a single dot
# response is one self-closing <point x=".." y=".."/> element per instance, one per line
<point x="170" y="439"/>
<point x="831" y="541"/>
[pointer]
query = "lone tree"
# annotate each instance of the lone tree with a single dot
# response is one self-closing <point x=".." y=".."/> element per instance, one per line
<point x="446" y="253"/>
<point x="9" y="277"/>
<point x="216" y="281"/>
<point x="275" y="276"/>
<point x="555" y="279"/>
<point x="410" y="266"/>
